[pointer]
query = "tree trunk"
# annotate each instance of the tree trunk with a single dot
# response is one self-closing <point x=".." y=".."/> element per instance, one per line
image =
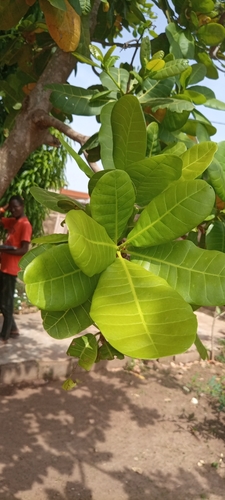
<point x="26" y="135"/>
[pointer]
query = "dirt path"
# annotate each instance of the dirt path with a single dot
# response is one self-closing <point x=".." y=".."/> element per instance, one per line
<point x="118" y="436"/>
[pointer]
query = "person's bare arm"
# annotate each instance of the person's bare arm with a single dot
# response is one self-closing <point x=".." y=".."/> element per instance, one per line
<point x="19" y="251"/>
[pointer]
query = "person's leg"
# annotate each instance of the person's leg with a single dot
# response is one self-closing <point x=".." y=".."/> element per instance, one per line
<point x="7" y="303"/>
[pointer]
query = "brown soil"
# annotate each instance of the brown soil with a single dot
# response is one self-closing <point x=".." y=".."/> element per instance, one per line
<point x="120" y="435"/>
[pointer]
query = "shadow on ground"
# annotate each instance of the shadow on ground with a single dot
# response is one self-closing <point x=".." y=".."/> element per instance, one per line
<point x="115" y="437"/>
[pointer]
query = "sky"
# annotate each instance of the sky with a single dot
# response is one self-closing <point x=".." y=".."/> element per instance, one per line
<point x="85" y="77"/>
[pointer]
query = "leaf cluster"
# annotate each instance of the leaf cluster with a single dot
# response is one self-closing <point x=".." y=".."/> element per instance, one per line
<point x="127" y="265"/>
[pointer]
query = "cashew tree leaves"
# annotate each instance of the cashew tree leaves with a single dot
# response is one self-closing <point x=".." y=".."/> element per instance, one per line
<point x="150" y="244"/>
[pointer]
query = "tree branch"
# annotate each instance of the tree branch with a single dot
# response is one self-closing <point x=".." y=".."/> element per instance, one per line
<point x="43" y="120"/>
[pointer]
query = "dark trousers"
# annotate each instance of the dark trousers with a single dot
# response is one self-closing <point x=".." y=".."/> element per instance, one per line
<point x="7" y="289"/>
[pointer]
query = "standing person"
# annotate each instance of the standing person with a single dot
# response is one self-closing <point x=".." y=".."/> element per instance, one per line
<point x="19" y="235"/>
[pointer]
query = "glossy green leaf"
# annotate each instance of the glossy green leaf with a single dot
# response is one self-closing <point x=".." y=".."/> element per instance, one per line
<point x="75" y="100"/>
<point x="153" y="143"/>
<point x="211" y="70"/>
<point x="106" y="137"/>
<point x="155" y="89"/>
<point x="32" y="254"/>
<point x="201" y="348"/>
<point x="175" y="121"/>
<point x="181" y="41"/>
<point x="85" y="348"/>
<point x="139" y="314"/>
<point x="197" y="275"/>
<point x="95" y="178"/>
<point x="194" y="96"/>
<point x="145" y="51"/>
<point x="215" y="104"/>
<point x="89" y="243"/>
<point x="112" y="202"/>
<point x="173" y="213"/>
<point x="152" y="175"/>
<point x="203" y="6"/>
<point x="86" y="60"/>
<point x="55" y="283"/>
<point x="197" y="159"/>
<point x="64" y="324"/>
<point x="216" y="177"/>
<point x="211" y="34"/>
<point x="108" y="352"/>
<point x="191" y="127"/>
<point x="50" y="199"/>
<point x="129" y="132"/>
<point x="80" y="162"/>
<point x="172" y="68"/>
<point x="91" y="143"/>
<point x="198" y="73"/>
<point x="220" y="154"/>
<point x="119" y="75"/>
<point x="177" y="148"/>
<point x="174" y="105"/>
<point x="215" y="238"/>
<point x="207" y="92"/>
<point x="51" y="238"/>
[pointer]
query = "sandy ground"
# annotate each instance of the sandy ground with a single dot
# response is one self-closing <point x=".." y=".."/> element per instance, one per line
<point x="119" y="435"/>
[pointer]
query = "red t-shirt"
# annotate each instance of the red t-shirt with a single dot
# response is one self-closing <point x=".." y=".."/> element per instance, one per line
<point x="18" y="230"/>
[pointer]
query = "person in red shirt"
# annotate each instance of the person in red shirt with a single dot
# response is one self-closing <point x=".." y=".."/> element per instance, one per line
<point x="15" y="245"/>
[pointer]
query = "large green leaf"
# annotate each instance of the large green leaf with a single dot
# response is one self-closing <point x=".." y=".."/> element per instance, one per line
<point x="173" y="213"/>
<point x="181" y="41"/>
<point x="75" y="100"/>
<point x="211" y="34"/>
<point x="64" y="324"/>
<point x="90" y="246"/>
<point x="120" y="78"/>
<point x="51" y="239"/>
<point x="203" y="6"/>
<point x="174" y="105"/>
<point x="51" y="200"/>
<point x="80" y="162"/>
<point x="153" y="143"/>
<point x="171" y="68"/>
<point x="154" y="89"/>
<point x="85" y="348"/>
<point x="176" y="148"/>
<point x="216" y="177"/>
<point x="191" y="127"/>
<point x="106" y="137"/>
<point x="55" y="283"/>
<point x="129" y="132"/>
<point x="198" y="73"/>
<point x="197" y="275"/>
<point x="208" y="93"/>
<point x="215" y="238"/>
<point x="197" y="159"/>
<point x="112" y="202"/>
<point x="220" y="154"/>
<point x="31" y="255"/>
<point x="175" y="121"/>
<point x="139" y="314"/>
<point x="215" y="104"/>
<point x="152" y="175"/>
